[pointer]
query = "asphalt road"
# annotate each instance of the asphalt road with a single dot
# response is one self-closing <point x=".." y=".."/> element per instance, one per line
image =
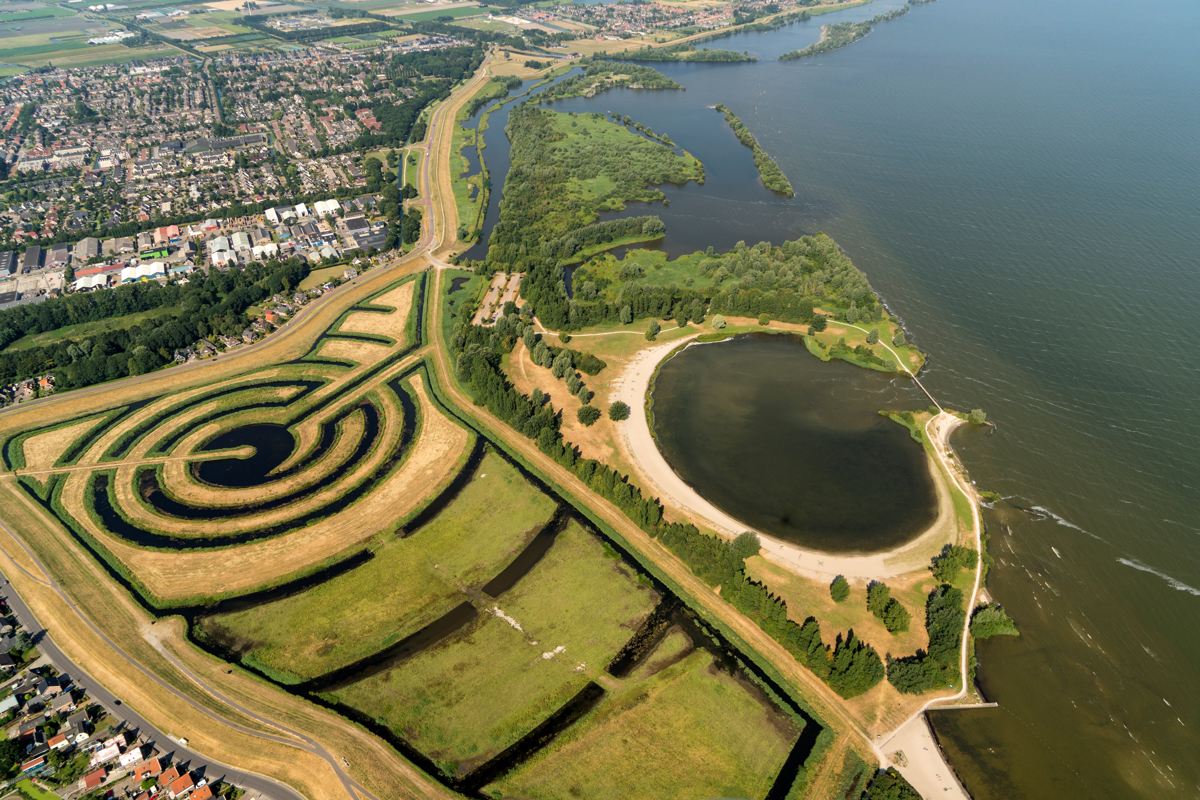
<point x="255" y="785"/>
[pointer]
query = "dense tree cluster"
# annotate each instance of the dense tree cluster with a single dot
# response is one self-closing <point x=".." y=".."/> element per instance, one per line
<point x="936" y="667"/>
<point x="945" y="565"/>
<point x="887" y="608"/>
<point x="787" y="280"/>
<point x="568" y="246"/>
<point x="889" y="784"/>
<point x="992" y="620"/>
<point x="841" y="34"/>
<point x="433" y="73"/>
<point x="682" y="54"/>
<point x="600" y="76"/>
<point x="209" y="304"/>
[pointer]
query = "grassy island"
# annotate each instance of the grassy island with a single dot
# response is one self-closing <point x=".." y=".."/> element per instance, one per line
<point x="843" y="33"/>
<point x="601" y="76"/>
<point x="684" y="54"/>
<point x="769" y="172"/>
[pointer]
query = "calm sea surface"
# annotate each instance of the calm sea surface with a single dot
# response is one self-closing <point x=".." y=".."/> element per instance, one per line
<point x="1021" y="181"/>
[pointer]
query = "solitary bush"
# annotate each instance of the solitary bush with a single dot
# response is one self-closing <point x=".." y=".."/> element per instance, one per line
<point x="764" y="320"/>
<point x="977" y="416"/>
<point x="588" y="415"/>
<point x="718" y="322"/>
<point x="872" y="336"/>
<point x="881" y="603"/>
<point x="653" y="331"/>
<point x="618" y="411"/>
<point x="839" y="589"/>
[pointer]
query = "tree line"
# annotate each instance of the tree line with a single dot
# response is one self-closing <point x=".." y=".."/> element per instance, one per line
<point x="769" y="171"/>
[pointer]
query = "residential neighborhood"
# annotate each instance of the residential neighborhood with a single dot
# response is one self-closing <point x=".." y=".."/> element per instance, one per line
<point x="60" y="740"/>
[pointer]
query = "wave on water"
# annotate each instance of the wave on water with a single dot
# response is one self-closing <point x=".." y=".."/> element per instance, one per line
<point x="1174" y="583"/>
<point x="1041" y="513"/>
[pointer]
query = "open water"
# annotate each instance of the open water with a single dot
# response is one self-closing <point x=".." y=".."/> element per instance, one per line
<point x="1021" y="181"/>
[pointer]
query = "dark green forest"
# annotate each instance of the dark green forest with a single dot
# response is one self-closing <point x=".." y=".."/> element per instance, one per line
<point x="209" y="304"/>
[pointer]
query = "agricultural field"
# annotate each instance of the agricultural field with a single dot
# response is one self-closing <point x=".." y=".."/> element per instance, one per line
<point x="423" y="12"/>
<point x="194" y="27"/>
<point x="686" y="723"/>
<point x="37" y="35"/>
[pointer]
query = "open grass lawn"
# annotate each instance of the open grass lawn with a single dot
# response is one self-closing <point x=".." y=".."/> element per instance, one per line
<point x="690" y="731"/>
<point x="84" y="329"/>
<point x="412" y="168"/>
<point x="470" y="697"/>
<point x="806" y="597"/>
<point x="468" y="290"/>
<point x="468" y="185"/>
<point x="29" y="789"/>
<point x="646" y="267"/>
<point x="318" y="277"/>
<point x="409" y="583"/>
<point x="438" y="13"/>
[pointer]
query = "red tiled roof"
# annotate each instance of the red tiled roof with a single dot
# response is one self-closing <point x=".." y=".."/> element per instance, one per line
<point x="94" y="779"/>
<point x="181" y="784"/>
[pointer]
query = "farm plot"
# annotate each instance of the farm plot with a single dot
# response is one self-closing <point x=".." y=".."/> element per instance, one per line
<point x="463" y="701"/>
<point x="691" y="729"/>
<point x="407" y="584"/>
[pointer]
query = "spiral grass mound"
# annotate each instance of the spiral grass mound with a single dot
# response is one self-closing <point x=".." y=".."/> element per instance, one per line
<point x="220" y="490"/>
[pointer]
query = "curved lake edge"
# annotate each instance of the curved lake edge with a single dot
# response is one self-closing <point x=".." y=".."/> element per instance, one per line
<point x="641" y="446"/>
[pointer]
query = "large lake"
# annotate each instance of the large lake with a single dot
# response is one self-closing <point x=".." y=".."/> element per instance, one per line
<point x="1021" y="180"/>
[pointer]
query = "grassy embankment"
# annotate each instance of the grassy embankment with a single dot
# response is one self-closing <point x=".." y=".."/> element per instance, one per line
<point x="471" y="188"/>
<point x="83" y="330"/>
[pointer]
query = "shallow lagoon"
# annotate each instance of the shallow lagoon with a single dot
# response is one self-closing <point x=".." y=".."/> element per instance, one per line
<point x="794" y="447"/>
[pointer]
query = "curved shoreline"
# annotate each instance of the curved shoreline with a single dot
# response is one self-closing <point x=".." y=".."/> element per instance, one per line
<point x="637" y="441"/>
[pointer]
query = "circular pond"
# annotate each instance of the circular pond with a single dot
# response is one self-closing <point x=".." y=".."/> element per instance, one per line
<point x="272" y="445"/>
<point x="792" y="446"/>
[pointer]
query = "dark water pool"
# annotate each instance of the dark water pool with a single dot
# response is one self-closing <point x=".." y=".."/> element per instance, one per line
<point x="792" y="446"/>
